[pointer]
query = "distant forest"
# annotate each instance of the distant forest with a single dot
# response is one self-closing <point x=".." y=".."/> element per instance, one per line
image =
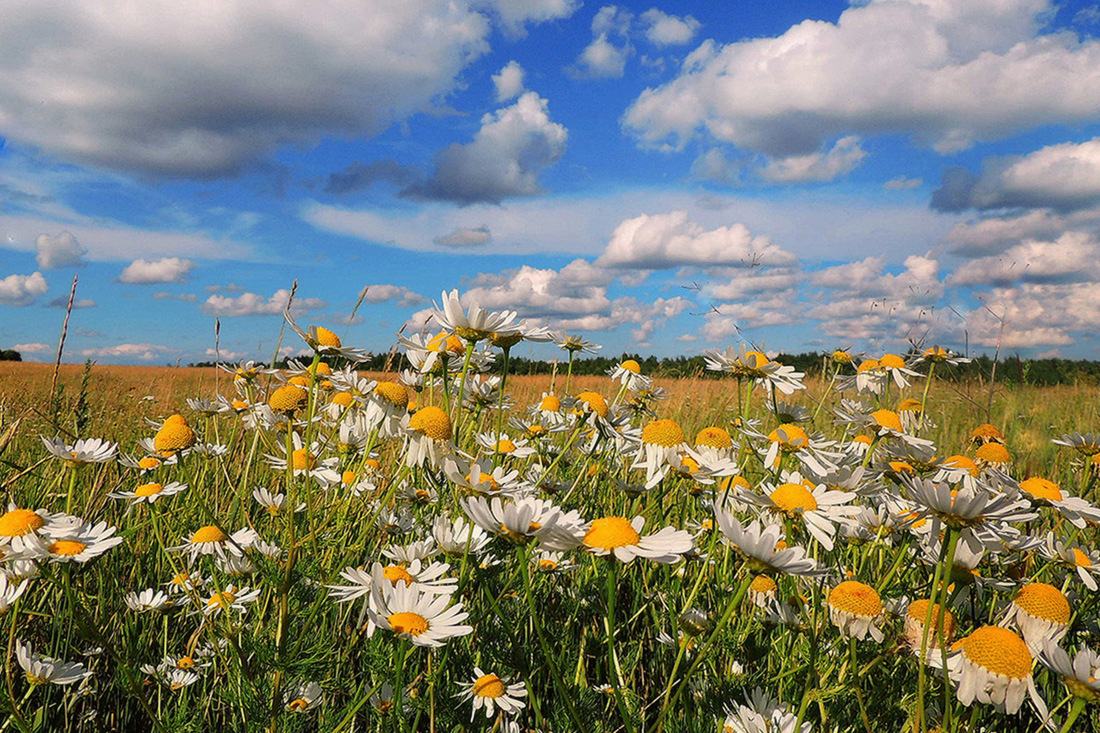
<point x="1008" y="370"/>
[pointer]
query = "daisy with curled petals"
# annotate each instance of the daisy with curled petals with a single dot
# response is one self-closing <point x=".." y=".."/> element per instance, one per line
<point x="323" y="341"/>
<point x="1081" y="675"/>
<point x="966" y="507"/>
<point x="149" y="493"/>
<point x="1044" y="492"/>
<point x="10" y="592"/>
<point x="490" y="692"/>
<point x="82" y="543"/>
<point x="751" y="364"/>
<point x="473" y="324"/>
<point x="429" y="579"/>
<point x="895" y="367"/>
<point x="429" y="432"/>
<point x="812" y="450"/>
<point x="304" y="461"/>
<point x="177" y="679"/>
<point x="480" y="477"/>
<point x="412" y="613"/>
<point x="28" y="532"/>
<point x="759" y="546"/>
<point x="84" y="451"/>
<point x="856" y="610"/>
<point x="231" y="598"/>
<point x="211" y="540"/>
<point x="1080" y="559"/>
<point x="148" y="600"/>
<point x="1041" y="612"/>
<point x="504" y="446"/>
<point x="1087" y="444"/>
<point x="622" y="538"/>
<point x="459" y="536"/>
<point x="40" y="670"/>
<point x="629" y="375"/>
<point x="575" y="344"/>
<point x="993" y="666"/>
<point x="818" y="507"/>
<point x="663" y="442"/>
<point x="303" y="698"/>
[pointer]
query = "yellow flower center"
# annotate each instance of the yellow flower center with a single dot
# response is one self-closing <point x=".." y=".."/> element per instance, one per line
<point x="596" y="403"/>
<point x="891" y="361"/>
<point x="149" y="463"/>
<point x="962" y="463"/>
<point x="67" y="548"/>
<point x="393" y="393"/>
<point x="1041" y="488"/>
<point x="754" y="359"/>
<point x="342" y="399"/>
<point x="506" y="446"/>
<point x="1043" y="602"/>
<point x="842" y="357"/>
<point x="985" y="433"/>
<point x="663" y="432"/>
<point x="298" y="705"/>
<point x="689" y="464"/>
<point x="918" y="611"/>
<point x="224" y="599"/>
<point x="999" y="651"/>
<point x="209" y="533"/>
<point x="303" y="460"/>
<point x="19" y="522"/>
<point x="148" y="490"/>
<point x="901" y="467"/>
<point x="431" y="421"/>
<point x="348" y="478"/>
<point x="408" y="622"/>
<point x="631" y="366"/>
<point x="394" y="573"/>
<point x="185" y="663"/>
<point x="300" y="381"/>
<point x="728" y="484"/>
<point x="607" y="533"/>
<point x="887" y="419"/>
<point x="790" y="437"/>
<point x="550" y="403"/>
<point x="536" y="430"/>
<point x="485" y="478"/>
<point x="489" y="686"/>
<point x="909" y="405"/>
<point x="1081" y="559"/>
<point x="545" y="564"/>
<point x="856" y="598"/>
<point x="714" y="437"/>
<point x="288" y="398"/>
<point x="763" y="585"/>
<point x="865" y="439"/>
<point x="793" y="498"/>
<point x="993" y="453"/>
<point x="174" y="435"/>
<point x="327" y="338"/>
<point x="867" y="365"/>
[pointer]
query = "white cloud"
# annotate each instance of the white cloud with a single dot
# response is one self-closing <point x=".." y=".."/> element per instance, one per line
<point x="867" y="278"/>
<point x="465" y="237"/>
<point x="902" y="183"/>
<point x="578" y="288"/>
<point x="58" y="251"/>
<point x="504" y="160"/>
<point x="191" y="90"/>
<point x="251" y="304"/>
<point x="669" y="30"/>
<point x="185" y="297"/>
<point x="164" y="270"/>
<point x="62" y="301"/>
<point x="1063" y="177"/>
<point x="743" y="284"/>
<point x="1073" y="257"/>
<point x="142" y="352"/>
<point x="508" y="82"/>
<point x="949" y="73"/>
<point x="713" y="165"/>
<point x="669" y="240"/>
<point x="382" y="293"/>
<point x="33" y="348"/>
<point x="1032" y="315"/>
<point x="21" y="290"/>
<point x="515" y="14"/>
<point x="844" y="157"/>
<point x="603" y="59"/>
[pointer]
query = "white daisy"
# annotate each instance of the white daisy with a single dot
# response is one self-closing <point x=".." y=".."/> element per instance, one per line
<point x="303" y="698"/>
<point x="993" y="666"/>
<point x="856" y="610"/>
<point x="421" y="617"/>
<point x="474" y="324"/>
<point x="149" y="492"/>
<point x="623" y="538"/>
<point x="231" y="598"/>
<point x="490" y="692"/>
<point x="40" y="670"/>
<point x="81" y="543"/>
<point x="760" y="547"/>
<point x="819" y="509"/>
<point x="85" y="450"/>
<point x="148" y="600"/>
<point x="211" y="540"/>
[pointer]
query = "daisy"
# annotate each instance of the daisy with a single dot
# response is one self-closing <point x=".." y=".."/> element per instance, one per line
<point x="1087" y="444"/>
<point x="185" y="581"/>
<point x="763" y="714"/>
<point x="417" y="550"/>
<point x="428" y="578"/>
<point x="869" y="377"/>
<point x="1081" y="675"/>
<point x="895" y="367"/>
<point x="474" y="324"/>
<point x="1044" y="492"/>
<point x="523" y="519"/>
<point x="548" y="410"/>
<point x="480" y="477"/>
<point x="939" y="355"/>
<point x="1085" y="562"/>
<point x="763" y="590"/>
<point x="211" y="540"/>
<point x="488" y="691"/>
<point x="174" y="436"/>
<point x="917" y="614"/>
<point x="629" y="375"/>
<point x="856" y="610"/>
<point x="232" y="598"/>
<point x="1041" y="613"/>
<point x="324" y="341"/>
<point x="423" y="618"/>
<point x="714" y="442"/>
<point x="305" y="697"/>
<point x="575" y="344"/>
<point x="288" y="399"/>
<point x="429" y="434"/>
<point x="663" y="442"/>
<point x="273" y="503"/>
<point x="40" y="670"/>
<point x="819" y="509"/>
<point x="622" y="537"/>
<point x="84" y="451"/>
<point x="993" y="666"/>
<point x="504" y="446"/>
<point x="760" y="547"/>
<point x="811" y="450"/>
<point x="966" y="507"/>
<point x="459" y="536"/>
<point x="29" y="532"/>
<point x="82" y="543"/>
<point x="148" y="600"/>
<point x="150" y="492"/>
<point x="10" y="592"/>
<point x="305" y="461"/>
<point x="177" y="679"/>
<point x="755" y="365"/>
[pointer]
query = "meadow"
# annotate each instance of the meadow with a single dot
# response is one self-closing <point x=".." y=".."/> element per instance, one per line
<point x="197" y="549"/>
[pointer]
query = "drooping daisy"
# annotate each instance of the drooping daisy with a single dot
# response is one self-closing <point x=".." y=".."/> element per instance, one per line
<point x="148" y="600"/>
<point x="305" y="461"/>
<point x="423" y="618"/>
<point x="1044" y="492"/>
<point x="490" y="693"/>
<point x="1082" y="560"/>
<point x="211" y="540"/>
<point x="174" y="436"/>
<point x="81" y="543"/>
<point x="10" y="592"/>
<point x="40" y="670"/>
<point x="993" y="666"/>
<point x="303" y="697"/>
<point x="763" y="590"/>
<point x="622" y="537"/>
<point x="760" y="547"/>
<point x="943" y="624"/>
<point x="663" y="442"/>
<point x="231" y="598"/>
<point x="629" y="374"/>
<point x="1041" y="612"/>
<point x="83" y="451"/>
<point x="429" y="433"/>
<point x="856" y="610"/>
<point x="895" y="367"/>
<point x="185" y="581"/>
<point x="1081" y="675"/>
<point x="149" y="492"/>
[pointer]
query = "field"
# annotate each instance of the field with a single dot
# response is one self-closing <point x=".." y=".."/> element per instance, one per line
<point x="439" y="575"/>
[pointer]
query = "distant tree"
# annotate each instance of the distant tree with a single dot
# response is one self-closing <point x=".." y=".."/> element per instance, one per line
<point x="10" y="355"/>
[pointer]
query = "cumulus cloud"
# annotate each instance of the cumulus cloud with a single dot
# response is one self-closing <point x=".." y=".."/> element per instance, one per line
<point x="190" y="90"/>
<point x="251" y="304"/>
<point x="360" y="176"/>
<point x="947" y="73"/>
<point x="508" y="82"/>
<point x="577" y="288"/>
<point x="58" y="251"/>
<point x="745" y="284"/>
<point x="164" y="270"/>
<point x="996" y="234"/>
<point x="34" y="348"/>
<point x="669" y="240"/>
<point x="1073" y="257"/>
<point x="504" y="159"/>
<point x="465" y="237"/>
<point x="21" y="290"/>
<point x="1063" y="177"/>
<point x="844" y="157"/>
<point x="605" y="58"/>
<point x="514" y="15"/>
<point x="903" y="183"/>
<point x="142" y="352"/>
<point x="383" y="293"/>
<point x="868" y="278"/>
<point x="1032" y="315"/>
<point x="663" y="29"/>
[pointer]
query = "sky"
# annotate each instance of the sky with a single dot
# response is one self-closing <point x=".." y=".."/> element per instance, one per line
<point x="663" y="177"/>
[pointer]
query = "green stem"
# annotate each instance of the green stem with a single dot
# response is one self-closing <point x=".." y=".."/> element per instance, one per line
<point x="1078" y="705"/>
<point x="617" y="682"/>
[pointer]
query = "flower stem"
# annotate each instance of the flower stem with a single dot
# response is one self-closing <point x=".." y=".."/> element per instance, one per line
<point x="617" y="682"/>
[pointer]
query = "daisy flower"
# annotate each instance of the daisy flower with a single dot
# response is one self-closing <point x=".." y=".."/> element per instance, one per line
<point x="429" y="434"/>
<point x="421" y="617"/>
<point x="662" y="443"/>
<point x="473" y="324"/>
<point x="29" y="532"/>
<point x="763" y="714"/>
<point x="940" y="355"/>
<point x="760" y="547"/>
<point x="273" y="503"/>
<point x="811" y="450"/>
<point x="10" y="592"/>
<point x="993" y="666"/>
<point x="629" y="375"/>
<point x="943" y="623"/>
<point x="84" y="451"/>
<point x="523" y="519"/>
<point x="40" y="670"/>
<point x="895" y="367"/>
<point x="819" y="509"/>
<point x="1041" y="612"/>
<point x="575" y="344"/>
<point x="622" y="537"/>
<point x="459" y="536"/>
<point x="856" y="610"/>
<point x="966" y="507"/>
<point x="232" y="598"/>
<point x="304" y="697"/>
<point x="1081" y="675"/>
<point x="174" y="436"/>
<point x="324" y="341"/>
<point x="148" y="600"/>
<point x="185" y="581"/>
<point x="490" y="692"/>
<point x="503" y="445"/>
<point x="480" y="477"/>
<point x="82" y="543"/>
<point x="304" y="461"/>
<point x="1085" y="562"/>
<point x="1044" y="492"/>
<point x="150" y="492"/>
<point x="763" y="590"/>
<point x="211" y="540"/>
<point x="548" y="410"/>
<point x="1087" y="444"/>
<point x="177" y="679"/>
<point x="755" y="365"/>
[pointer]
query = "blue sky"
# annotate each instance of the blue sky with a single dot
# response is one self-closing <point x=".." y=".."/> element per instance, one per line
<point x="664" y="177"/>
